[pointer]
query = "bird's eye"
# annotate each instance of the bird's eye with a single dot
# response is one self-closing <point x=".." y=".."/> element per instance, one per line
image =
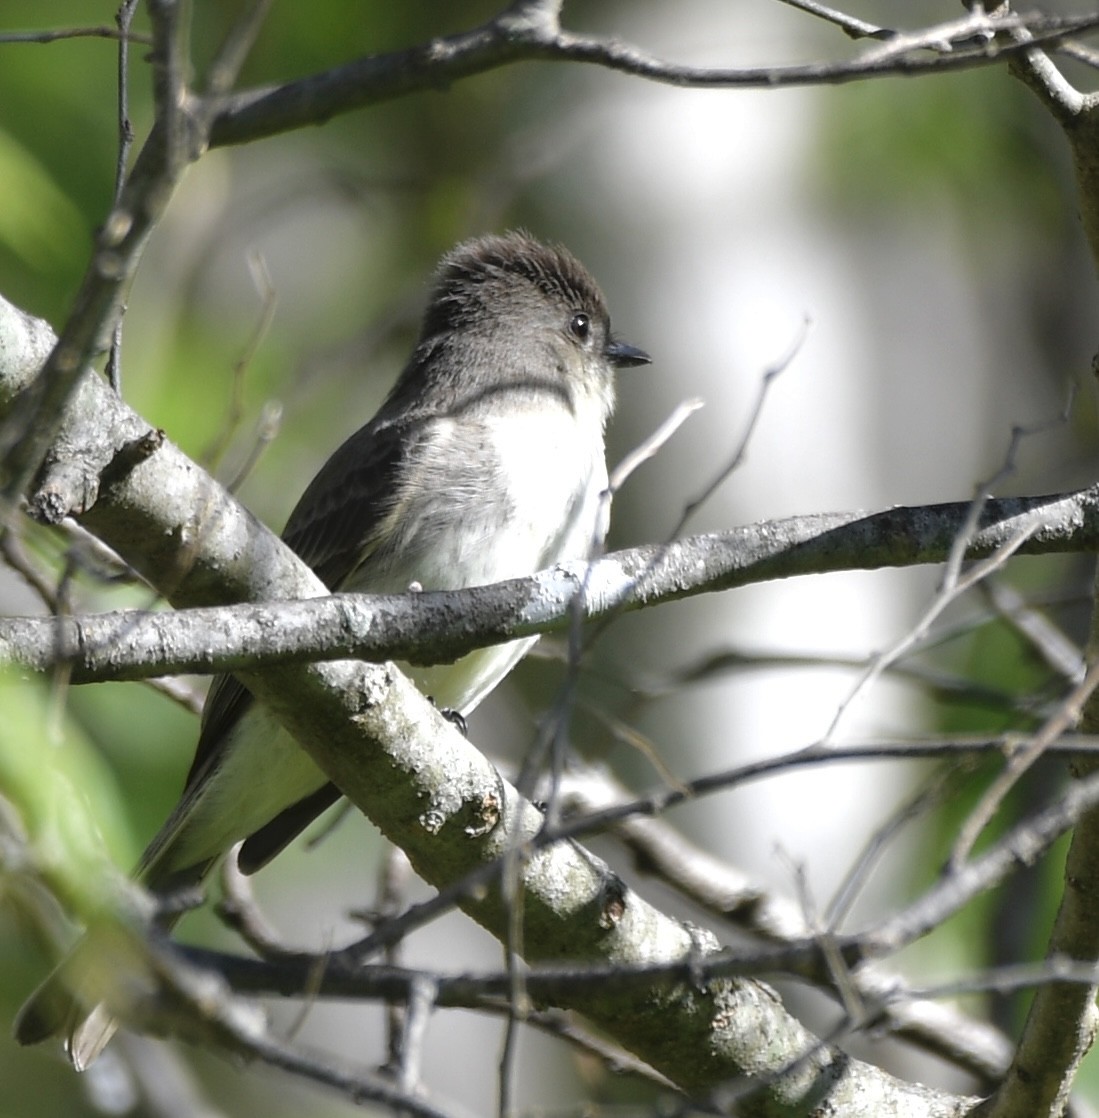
<point x="580" y="326"/>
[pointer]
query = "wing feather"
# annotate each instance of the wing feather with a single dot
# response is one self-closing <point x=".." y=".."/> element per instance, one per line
<point x="334" y="528"/>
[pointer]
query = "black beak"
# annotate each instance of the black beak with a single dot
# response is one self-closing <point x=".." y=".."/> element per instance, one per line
<point x="623" y="356"/>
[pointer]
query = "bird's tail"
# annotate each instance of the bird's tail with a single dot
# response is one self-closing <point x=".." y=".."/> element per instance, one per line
<point x="59" y="1008"/>
<point x="70" y="1001"/>
<point x="47" y="1012"/>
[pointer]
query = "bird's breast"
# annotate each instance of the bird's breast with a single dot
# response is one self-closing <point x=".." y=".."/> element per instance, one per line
<point x="496" y="496"/>
<point x="551" y="467"/>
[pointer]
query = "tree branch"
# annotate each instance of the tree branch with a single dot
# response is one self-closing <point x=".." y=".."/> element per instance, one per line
<point x="440" y="626"/>
<point x="527" y="33"/>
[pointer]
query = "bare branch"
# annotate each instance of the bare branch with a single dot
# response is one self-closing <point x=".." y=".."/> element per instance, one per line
<point x="770" y="375"/>
<point x="725" y="891"/>
<point x="253" y="114"/>
<point x="852" y="27"/>
<point x="438" y="626"/>
<point x="648" y="448"/>
<point x="124" y="18"/>
<point x="55" y="35"/>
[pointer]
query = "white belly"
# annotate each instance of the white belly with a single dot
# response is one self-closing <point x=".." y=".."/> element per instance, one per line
<point x="547" y="476"/>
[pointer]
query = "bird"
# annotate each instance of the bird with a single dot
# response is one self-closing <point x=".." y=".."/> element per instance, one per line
<point x="486" y="461"/>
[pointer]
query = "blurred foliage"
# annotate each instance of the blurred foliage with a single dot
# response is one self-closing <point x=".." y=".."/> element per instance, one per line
<point x="980" y="161"/>
<point x="57" y="790"/>
<point x="63" y="794"/>
<point x="987" y="143"/>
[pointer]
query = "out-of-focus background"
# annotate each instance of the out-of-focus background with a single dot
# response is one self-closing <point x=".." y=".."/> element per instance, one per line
<point x="926" y="232"/>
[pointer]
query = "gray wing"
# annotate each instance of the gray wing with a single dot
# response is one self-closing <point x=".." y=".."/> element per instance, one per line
<point x="334" y="528"/>
<point x="338" y="520"/>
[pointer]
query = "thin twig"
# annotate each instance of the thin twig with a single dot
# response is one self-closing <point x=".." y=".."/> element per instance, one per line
<point x="770" y="375"/>
<point x="54" y="35"/>
<point x="648" y="448"/>
<point x="124" y="18"/>
<point x="940" y="685"/>
<point x="958" y="586"/>
<point x="237" y="909"/>
<point x="1080" y="52"/>
<point x="852" y="27"/>
<point x="983" y="491"/>
<point x="1059" y="652"/>
<point x="930" y="795"/>
<point x="953" y="582"/>
<point x="233" y="53"/>
<point x="1067" y="715"/>
<point x="211" y="457"/>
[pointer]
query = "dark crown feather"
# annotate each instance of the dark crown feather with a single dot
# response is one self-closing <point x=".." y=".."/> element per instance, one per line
<point x="481" y="263"/>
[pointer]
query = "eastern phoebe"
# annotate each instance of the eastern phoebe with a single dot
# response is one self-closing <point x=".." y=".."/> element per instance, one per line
<point x="485" y="462"/>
